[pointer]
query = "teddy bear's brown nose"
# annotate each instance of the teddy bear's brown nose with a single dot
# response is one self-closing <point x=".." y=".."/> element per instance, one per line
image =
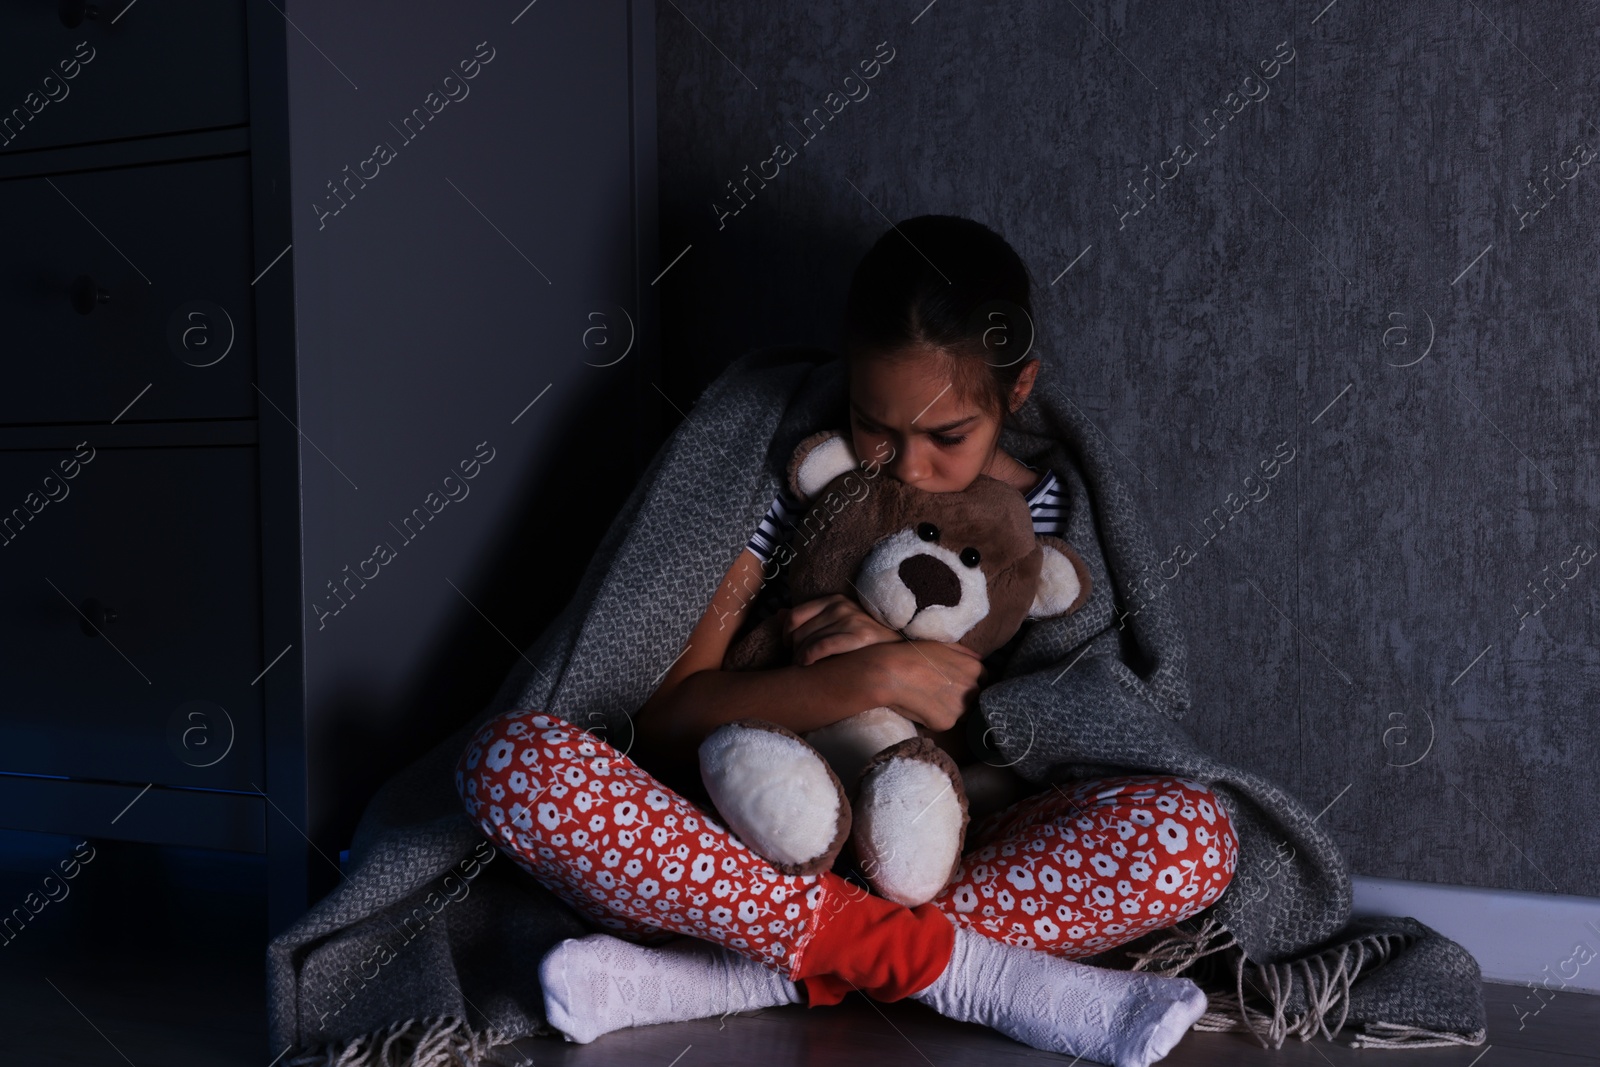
<point x="930" y="580"/>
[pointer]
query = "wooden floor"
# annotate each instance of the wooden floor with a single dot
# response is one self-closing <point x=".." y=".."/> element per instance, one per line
<point x="95" y="982"/>
<point x="1566" y="1033"/>
<point x="82" y="1012"/>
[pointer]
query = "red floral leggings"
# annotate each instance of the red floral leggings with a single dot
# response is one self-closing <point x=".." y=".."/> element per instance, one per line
<point x="1072" y="871"/>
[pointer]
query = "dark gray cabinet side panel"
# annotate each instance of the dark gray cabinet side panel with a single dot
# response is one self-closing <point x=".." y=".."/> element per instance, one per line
<point x="465" y="287"/>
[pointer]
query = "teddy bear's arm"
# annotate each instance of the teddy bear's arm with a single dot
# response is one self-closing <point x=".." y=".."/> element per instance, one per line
<point x="759" y="649"/>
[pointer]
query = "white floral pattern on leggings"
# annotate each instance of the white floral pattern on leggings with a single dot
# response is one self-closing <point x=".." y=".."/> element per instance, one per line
<point x="1072" y="871"/>
<point x="1077" y="870"/>
<point x="601" y="833"/>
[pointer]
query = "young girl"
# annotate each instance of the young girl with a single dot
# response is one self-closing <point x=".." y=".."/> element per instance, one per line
<point x="935" y="363"/>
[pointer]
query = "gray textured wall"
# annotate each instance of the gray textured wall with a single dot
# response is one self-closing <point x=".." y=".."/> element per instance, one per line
<point x="1352" y="266"/>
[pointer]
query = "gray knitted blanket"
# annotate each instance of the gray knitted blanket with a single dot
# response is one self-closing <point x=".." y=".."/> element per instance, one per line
<point x="427" y="953"/>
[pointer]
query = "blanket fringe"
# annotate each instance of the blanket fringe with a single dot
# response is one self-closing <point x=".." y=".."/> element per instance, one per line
<point x="1180" y="948"/>
<point x="1391" y="1035"/>
<point x="432" y="1041"/>
<point x="1325" y="980"/>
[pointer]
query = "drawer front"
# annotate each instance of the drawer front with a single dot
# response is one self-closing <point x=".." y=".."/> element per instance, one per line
<point x="114" y="280"/>
<point x="157" y="68"/>
<point x="157" y="550"/>
<point x="130" y="813"/>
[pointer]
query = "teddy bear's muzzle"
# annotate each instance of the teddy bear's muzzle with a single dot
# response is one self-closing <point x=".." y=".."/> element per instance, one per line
<point x="922" y="589"/>
<point x="930" y="580"/>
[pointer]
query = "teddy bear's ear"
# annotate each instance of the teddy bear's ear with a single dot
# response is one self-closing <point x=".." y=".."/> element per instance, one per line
<point x="818" y="460"/>
<point x="1064" y="583"/>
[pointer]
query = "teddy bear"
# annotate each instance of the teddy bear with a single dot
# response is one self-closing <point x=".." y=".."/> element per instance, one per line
<point x="963" y="567"/>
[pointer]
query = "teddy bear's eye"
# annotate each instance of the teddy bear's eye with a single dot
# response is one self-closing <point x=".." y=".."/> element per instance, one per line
<point x="969" y="556"/>
<point x="927" y="531"/>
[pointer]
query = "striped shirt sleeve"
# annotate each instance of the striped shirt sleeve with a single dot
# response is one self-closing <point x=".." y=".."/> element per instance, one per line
<point x="776" y="526"/>
<point x="1048" y="503"/>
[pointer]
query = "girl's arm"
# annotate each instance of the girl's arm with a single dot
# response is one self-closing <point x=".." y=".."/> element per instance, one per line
<point x="927" y="681"/>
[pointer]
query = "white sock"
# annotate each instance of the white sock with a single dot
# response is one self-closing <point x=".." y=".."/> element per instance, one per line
<point x="1123" y="1018"/>
<point x="597" y="984"/>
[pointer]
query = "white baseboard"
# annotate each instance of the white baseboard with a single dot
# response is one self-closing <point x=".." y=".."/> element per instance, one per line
<point x="1516" y="937"/>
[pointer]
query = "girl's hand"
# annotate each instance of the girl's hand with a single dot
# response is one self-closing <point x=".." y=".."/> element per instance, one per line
<point x="830" y="625"/>
<point x="929" y="682"/>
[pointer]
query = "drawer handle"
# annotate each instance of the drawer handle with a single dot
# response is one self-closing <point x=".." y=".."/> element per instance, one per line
<point x="93" y="617"/>
<point x="73" y="12"/>
<point x="86" y="295"/>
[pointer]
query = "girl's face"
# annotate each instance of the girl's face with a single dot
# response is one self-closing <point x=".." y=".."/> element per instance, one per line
<point x="906" y="406"/>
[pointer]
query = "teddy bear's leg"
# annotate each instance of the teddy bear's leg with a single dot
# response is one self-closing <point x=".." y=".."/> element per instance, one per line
<point x="848" y="744"/>
<point x="989" y="788"/>
<point x="910" y="818"/>
<point x="777" y="794"/>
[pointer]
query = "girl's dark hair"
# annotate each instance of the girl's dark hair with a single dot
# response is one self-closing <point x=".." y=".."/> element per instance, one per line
<point x="950" y="283"/>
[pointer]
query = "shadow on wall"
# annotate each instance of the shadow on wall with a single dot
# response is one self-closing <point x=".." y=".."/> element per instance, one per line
<point x="727" y="302"/>
<point x="532" y="569"/>
<point x="521" y="582"/>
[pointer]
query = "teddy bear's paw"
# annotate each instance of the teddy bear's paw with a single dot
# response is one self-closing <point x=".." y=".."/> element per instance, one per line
<point x="910" y="818"/>
<point x="777" y="794"/>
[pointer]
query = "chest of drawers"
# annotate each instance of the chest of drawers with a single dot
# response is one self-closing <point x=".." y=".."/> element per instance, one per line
<point x="273" y="278"/>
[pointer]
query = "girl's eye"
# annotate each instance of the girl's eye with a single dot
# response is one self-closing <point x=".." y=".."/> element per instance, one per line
<point x="947" y="440"/>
